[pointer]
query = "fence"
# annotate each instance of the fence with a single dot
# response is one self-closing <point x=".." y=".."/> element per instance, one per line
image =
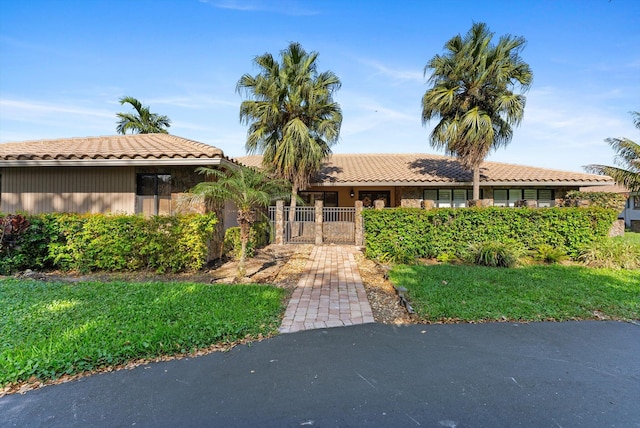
<point x="317" y="225"/>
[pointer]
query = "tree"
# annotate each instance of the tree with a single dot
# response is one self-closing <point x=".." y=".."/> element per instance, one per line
<point x="472" y="95"/>
<point x="247" y="189"/>
<point x="293" y="120"/>
<point x="627" y="173"/>
<point x="143" y="121"/>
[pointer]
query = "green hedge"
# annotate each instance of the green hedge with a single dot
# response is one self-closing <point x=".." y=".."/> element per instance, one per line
<point x="91" y="242"/>
<point x="407" y="233"/>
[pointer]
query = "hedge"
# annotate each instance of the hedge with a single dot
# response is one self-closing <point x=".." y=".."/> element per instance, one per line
<point x="91" y="242"/>
<point x="407" y="233"/>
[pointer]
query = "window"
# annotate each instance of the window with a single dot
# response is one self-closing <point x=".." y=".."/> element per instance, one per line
<point x="636" y="202"/>
<point x="508" y="197"/>
<point x="530" y="194"/>
<point x="545" y="198"/>
<point x="459" y="198"/>
<point x="368" y="196"/>
<point x="447" y="198"/>
<point x="153" y="194"/>
<point x="500" y="198"/>
<point x="514" y="195"/>
<point x="330" y="199"/>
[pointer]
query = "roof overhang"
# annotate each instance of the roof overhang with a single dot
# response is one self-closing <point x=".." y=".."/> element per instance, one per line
<point x="115" y="162"/>
<point x="461" y="183"/>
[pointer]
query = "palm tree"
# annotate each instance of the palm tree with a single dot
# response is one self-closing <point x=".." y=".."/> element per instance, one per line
<point x="473" y="97"/>
<point x="293" y="120"/>
<point x="627" y="173"/>
<point x="143" y="121"/>
<point x="247" y="189"/>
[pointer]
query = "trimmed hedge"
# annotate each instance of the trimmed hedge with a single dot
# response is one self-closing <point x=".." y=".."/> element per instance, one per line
<point x="402" y="234"/>
<point x="91" y="242"/>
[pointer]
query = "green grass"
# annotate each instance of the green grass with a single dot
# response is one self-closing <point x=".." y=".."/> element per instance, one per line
<point x="632" y="238"/>
<point x="51" y="329"/>
<point x="532" y="293"/>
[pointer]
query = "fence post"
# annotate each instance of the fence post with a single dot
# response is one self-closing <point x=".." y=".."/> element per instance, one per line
<point x="359" y="226"/>
<point x="319" y="206"/>
<point x="279" y="223"/>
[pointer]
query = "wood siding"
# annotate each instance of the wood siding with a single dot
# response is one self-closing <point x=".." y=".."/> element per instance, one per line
<point x="71" y="189"/>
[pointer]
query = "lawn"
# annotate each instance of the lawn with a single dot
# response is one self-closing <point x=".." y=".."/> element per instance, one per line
<point x="51" y="329"/>
<point x="632" y="238"/>
<point x="531" y="293"/>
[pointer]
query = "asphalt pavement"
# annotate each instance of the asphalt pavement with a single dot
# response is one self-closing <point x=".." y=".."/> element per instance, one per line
<point x="571" y="374"/>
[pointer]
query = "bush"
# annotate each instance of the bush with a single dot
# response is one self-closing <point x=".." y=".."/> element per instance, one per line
<point x="92" y="242"/>
<point x="614" y="201"/>
<point x="494" y="254"/>
<point x="259" y="236"/>
<point x="611" y="253"/>
<point x="409" y="233"/>
<point x="547" y="254"/>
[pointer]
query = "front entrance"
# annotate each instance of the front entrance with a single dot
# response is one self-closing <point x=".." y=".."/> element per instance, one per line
<point x="336" y="225"/>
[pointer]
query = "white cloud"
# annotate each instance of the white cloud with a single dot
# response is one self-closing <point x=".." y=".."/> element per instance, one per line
<point x="286" y="7"/>
<point x="394" y="73"/>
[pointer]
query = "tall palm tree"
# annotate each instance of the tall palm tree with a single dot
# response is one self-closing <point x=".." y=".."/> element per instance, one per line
<point x="472" y="96"/>
<point x="248" y="189"/>
<point x="143" y="121"/>
<point x="627" y="173"/>
<point x="293" y="120"/>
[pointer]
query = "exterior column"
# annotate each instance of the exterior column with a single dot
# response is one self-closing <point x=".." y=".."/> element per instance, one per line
<point x="359" y="225"/>
<point x="279" y="223"/>
<point x="319" y="206"/>
<point x="378" y="204"/>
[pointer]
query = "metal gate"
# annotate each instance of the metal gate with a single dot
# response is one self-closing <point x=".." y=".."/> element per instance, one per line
<point x="338" y="225"/>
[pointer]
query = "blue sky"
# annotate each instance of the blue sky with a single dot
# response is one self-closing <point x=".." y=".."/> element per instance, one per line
<point x="65" y="64"/>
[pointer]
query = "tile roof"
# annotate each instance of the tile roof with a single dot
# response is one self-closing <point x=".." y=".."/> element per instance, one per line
<point x="418" y="169"/>
<point x="606" y="189"/>
<point x="138" y="147"/>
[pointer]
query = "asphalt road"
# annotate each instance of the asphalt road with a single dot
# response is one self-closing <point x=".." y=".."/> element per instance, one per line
<point x="572" y="374"/>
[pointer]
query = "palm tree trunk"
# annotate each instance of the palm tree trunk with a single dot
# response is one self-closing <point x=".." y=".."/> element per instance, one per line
<point x="292" y="211"/>
<point x="476" y="182"/>
<point x="245" y="229"/>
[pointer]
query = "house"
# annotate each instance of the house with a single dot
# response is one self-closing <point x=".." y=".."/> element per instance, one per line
<point x="631" y="212"/>
<point x="143" y="173"/>
<point x="409" y="179"/>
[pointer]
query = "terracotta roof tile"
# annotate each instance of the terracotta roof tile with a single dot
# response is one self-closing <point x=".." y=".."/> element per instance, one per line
<point x="138" y="146"/>
<point x="414" y="168"/>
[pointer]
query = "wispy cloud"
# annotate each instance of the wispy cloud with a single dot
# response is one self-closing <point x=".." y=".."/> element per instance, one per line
<point x="394" y="73"/>
<point x="284" y="7"/>
<point x="195" y="102"/>
<point x="14" y="109"/>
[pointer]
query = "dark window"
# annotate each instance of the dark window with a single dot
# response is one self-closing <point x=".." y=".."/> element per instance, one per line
<point x="368" y="196"/>
<point x="636" y="202"/>
<point x="447" y="198"/>
<point x="153" y="194"/>
<point x="330" y="199"/>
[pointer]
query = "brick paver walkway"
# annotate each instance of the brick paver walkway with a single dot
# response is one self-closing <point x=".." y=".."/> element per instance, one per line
<point x="329" y="294"/>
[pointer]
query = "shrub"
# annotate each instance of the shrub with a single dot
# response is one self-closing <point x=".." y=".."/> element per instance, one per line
<point x="614" y="201"/>
<point x="611" y="253"/>
<point x="259" y="236"/>
<point x="547" y="254"/>
<point x="91" y="242"/>
<point x="494" y="254"/>
<point x="409" y="233"/>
